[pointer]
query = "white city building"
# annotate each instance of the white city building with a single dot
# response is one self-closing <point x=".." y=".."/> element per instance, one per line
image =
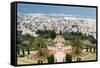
<point x="58" y="22"/>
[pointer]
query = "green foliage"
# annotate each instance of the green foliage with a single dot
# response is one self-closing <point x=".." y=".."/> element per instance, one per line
<point x="87" y="47"/>
<point x="76" y="44"/>
<point x="21" y="55"/>
<point x="68" y="58"/>
<point x="40" y="45"/>
<point x="68" y="36"/>
<point x="94" y="48"/>
<point x="21" y="48"/>
<point x="40" y="62"/>
<point x="52" y="34"/>
<point x="24" y="43"/>
<point x="60" y="33"/>
<point x="78" y="59"/>
<point x="50" y="59"/>
<point x="47" y="34"/>
<point x="72" y="35"/>
<point x="26" y="37"/>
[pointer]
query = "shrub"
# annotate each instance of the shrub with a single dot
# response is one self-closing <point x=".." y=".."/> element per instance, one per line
<point x="50" y="59"/>
<point x="21" y="55"/>
<point x="78" y="59"/>
<point x="68" y="58"/>
<point x="40" y="62"/>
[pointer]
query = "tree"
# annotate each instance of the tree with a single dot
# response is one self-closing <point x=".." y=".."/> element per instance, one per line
<point x="87" y="48"/>
<point x="50" y="59"/>
<point x="68" y="58"/>
<point x="19" y="45"/>
<point x="25" y="42"/>
<point x="60" y="32"/>
<point x="40" y="45"/>
<point x="76" y="44"/>
<point x="18" y="49"/>
<point x="52" y="34"/>
<point x="94" y="48"/>
<point x="40" y="62"/>
<point x="21" y="48"/>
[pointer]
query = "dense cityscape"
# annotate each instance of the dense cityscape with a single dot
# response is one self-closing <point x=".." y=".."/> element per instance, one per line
<point x="30" y="23"/>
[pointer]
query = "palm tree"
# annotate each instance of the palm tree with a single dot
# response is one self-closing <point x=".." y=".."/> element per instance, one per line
<point x="40" y="45"/>
<point x="76" y="44"/>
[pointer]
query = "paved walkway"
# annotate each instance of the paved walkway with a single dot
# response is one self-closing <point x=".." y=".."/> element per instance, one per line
<point x="59" y="56"/>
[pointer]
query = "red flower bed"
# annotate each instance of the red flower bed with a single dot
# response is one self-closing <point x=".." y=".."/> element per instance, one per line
<point x="35" y="55"/>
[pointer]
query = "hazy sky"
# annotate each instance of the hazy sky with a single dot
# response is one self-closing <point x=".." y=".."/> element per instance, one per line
<point x="51" y="9"/>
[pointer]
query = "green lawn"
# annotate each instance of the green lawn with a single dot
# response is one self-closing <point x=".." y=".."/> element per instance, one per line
<point x="89" y="57"/>
<point x="24" y="60"/>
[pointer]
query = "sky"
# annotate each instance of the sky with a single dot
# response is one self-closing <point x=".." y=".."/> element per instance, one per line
<point x="51" y="9"/>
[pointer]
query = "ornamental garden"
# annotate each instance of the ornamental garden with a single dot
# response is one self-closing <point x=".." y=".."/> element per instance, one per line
<point x="52" y="47"/>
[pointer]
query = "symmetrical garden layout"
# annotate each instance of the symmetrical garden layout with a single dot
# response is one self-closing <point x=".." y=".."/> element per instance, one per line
<point x="45" y="38"/>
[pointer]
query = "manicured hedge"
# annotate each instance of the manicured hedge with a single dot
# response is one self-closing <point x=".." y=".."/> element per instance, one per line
<point x="68" y="58"/>
<point x="50" y="59"/>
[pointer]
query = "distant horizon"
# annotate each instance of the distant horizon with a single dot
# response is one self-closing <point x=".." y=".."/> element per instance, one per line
<point x="53" y="9"/>
<point x="67" y="15"/>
